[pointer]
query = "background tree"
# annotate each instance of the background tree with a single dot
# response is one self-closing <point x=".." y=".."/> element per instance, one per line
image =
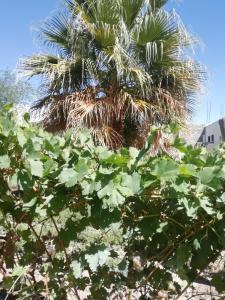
<point x="13" y="90"/>
<point x="118" y="67"/>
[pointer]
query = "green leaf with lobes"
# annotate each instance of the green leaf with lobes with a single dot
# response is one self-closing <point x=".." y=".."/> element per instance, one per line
<point x="4" y="162"/>
<point x="207" y="174"/>
<point x="77" y="270"/>
<point x="19" y="271"/>
<point x="81" y="168"/>
<point x="115" y="199"/>
<point x="97" y="259"/>
<point x="36" y="167"/>
<point x="166" y="169"/>
<point x="106" y="190"/>
<point x="132" y="183"/>
<point x="68" y="176"/>
<point x="218" y="281"/>
<point x="30" y="204"/>
<point x="188" y="170"/>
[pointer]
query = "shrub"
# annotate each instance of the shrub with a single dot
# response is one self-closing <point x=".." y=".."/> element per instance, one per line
<point x="74" y="216"/>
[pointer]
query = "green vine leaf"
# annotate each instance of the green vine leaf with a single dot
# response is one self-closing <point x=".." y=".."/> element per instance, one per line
<point x="36" y="167"/>
<point x="4" y="162"/>
<point x="69" y="177"/>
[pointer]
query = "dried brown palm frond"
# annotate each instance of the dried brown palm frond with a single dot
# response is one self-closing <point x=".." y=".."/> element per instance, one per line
<point x="170" y="106"/>
<point x="105" y="116"/>
<point x="107" y="136"/>
<point x="51" y="113"/>
<point x="91" y="109"/>
<point x="162" y="143"/>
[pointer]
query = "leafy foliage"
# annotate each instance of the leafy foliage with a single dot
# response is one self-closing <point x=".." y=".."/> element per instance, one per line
<point x="79" y="217"/>
<point x="116" y="67"/>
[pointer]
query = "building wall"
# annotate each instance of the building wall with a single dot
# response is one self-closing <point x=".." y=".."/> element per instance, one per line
<point x="212" y="136"/>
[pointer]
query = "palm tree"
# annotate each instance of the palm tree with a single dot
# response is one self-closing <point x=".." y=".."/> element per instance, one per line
<point x="118" y="66"/>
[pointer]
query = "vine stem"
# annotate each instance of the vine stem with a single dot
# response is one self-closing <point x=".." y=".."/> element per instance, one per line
<point x="188" y="285"/>
<point x="63" y="246"/>
<point x="40" y="241"/>
<point x="66" y="254"/>
<point x="189" y="234"/>
<point x="64" y="250"/>
<point x="12" y="287"/>
<point x="46" y="287"/>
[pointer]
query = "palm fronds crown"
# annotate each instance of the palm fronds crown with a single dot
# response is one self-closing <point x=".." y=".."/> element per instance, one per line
<point x="119" y="66"/>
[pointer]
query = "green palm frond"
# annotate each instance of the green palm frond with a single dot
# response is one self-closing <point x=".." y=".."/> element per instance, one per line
<point x="130" y="10"/>
<point x="157" y="4"/>
<point x="58" y="32"/>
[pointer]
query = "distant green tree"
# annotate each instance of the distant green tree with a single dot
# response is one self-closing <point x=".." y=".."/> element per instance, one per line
<point x="14" y="90"/>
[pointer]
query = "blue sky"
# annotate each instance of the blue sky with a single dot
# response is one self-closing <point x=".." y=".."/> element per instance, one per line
<point x="205" y="19"/>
